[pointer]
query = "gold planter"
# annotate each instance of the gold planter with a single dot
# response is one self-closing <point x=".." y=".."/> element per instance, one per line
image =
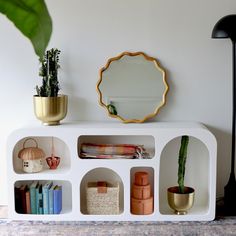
<point x="50" y="110"/>
<point x="180" y="202"/>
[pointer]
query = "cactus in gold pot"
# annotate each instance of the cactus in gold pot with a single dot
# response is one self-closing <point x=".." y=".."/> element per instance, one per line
<point x="49" y="72"/>
<point x="182" y="162"/>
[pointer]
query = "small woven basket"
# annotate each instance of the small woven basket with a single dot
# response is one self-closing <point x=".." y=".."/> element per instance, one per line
<point x="102" y="198"/>
<point x="31" y="157"/>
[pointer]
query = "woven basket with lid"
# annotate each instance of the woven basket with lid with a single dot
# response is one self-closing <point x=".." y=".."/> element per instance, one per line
<point x="31" y="157"/>
<point x="102" y="198"/>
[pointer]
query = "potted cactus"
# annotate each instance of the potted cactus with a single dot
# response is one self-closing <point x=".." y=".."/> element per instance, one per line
<point x="181" y="198"/>
<point x="49" y="106"/>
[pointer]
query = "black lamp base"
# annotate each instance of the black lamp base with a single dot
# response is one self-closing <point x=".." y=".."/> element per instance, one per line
<point x="230" y="196"/>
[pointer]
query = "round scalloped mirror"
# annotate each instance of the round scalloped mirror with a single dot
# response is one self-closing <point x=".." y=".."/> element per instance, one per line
<point x="132" y="87"/>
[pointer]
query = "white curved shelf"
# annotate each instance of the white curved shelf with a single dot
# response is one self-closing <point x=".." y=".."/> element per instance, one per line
<point x="159" y="137"/>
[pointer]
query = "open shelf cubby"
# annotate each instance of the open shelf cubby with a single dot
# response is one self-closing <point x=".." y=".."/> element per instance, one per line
<point x="197" y="175"/>
<point x="161" y="140"/>
<point x="66" y="199"/>
<point x="146" y="141"/>
<point x="44" y="143"/>
<point x="100" y="174"/>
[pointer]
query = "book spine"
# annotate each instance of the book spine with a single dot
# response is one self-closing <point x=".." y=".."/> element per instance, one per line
<point x="37" y="200"/>
<point x="23" y="200"/>
<point x="40" y="201"/>
<point x="28" y="206"/>
<point x="33" y="199"/>
<point x="45" y="201"/>
<point x="18" y="206"/>
<point x="57" y="198"/>
<point x="50" y="200"/>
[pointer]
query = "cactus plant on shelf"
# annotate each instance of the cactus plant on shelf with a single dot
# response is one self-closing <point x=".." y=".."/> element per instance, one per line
<point x="49" y="106"/>
<point x="182" y="162"/>
<point x="49" y="72"/>
<point x="181" y="198"/>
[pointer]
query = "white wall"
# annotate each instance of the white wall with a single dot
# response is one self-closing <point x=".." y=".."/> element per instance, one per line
<point x="88" y="32"/>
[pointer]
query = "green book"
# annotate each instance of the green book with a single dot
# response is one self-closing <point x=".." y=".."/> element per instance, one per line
<point x="32" y="190"/>
<point x="39" y="197"/>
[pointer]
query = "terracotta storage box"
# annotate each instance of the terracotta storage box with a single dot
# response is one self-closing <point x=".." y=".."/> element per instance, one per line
<point x="141" y="199"/>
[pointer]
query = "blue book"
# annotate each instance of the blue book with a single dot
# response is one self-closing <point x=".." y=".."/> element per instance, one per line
<point x="45" y="190"/>
<point x="32" y="190"/>
<point x="50" y="199"/>
<point x="57" y="199"/>
<point x="39" y="199"/>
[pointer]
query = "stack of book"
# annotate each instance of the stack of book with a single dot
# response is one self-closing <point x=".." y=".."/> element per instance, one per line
<point x="37" y="198"/>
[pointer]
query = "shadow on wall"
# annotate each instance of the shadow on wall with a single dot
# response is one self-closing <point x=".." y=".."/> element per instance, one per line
<point x="223" y="157"/>
<point x="78" y="108"/>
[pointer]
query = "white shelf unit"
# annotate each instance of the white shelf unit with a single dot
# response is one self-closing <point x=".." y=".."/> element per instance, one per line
<point x="160" y="139"/>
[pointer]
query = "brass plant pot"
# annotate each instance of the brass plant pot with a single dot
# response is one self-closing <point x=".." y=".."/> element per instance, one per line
<point x="50" y="110"/>
<point x="180" y="202"/>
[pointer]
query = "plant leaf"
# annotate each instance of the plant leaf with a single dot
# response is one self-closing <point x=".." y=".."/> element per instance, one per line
<point x="32" y="18"/>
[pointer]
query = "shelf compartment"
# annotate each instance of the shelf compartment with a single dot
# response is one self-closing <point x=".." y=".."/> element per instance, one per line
<point x="45" y="143"/>
<point x="197" y="174"/>
<point x="66" y="195"/>
<point x="97" y="175"/>
<point x="147" y="141"/>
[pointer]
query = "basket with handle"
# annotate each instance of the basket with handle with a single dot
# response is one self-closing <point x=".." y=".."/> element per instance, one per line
<point x="31" y="157"/>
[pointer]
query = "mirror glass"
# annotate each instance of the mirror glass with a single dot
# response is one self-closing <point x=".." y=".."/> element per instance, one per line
<point x="132" y="87"/>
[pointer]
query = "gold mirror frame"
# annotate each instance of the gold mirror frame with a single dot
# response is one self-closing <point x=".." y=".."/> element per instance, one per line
<point x="158" y="66"/>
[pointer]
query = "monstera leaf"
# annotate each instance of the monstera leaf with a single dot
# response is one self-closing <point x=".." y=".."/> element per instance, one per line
<point x="32" y="18"/>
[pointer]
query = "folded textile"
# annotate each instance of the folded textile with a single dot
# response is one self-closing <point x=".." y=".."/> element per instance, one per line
<point x="105" y="156"/>
<point x="110" y="149"/>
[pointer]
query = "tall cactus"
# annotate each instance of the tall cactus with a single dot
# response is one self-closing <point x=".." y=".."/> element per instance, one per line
<point x="182" y="162"/>
<point x="50" y="65"/>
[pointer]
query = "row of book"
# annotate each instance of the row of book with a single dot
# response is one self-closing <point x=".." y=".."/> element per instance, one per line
<point x="38" y="198"/>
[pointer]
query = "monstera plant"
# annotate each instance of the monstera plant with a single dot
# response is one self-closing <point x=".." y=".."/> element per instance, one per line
<point x="32" y="18"/>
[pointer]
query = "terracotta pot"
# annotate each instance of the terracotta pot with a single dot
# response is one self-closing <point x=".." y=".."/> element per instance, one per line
<point x="53" y="162"/>
<point x="180" y="202"/>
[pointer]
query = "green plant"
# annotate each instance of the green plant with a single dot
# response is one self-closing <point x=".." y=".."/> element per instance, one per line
<point x="48" y="70"/>
<point x="112" y="109"/>
<point x="182" y="162"/>
<point x="32" y="18"/>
